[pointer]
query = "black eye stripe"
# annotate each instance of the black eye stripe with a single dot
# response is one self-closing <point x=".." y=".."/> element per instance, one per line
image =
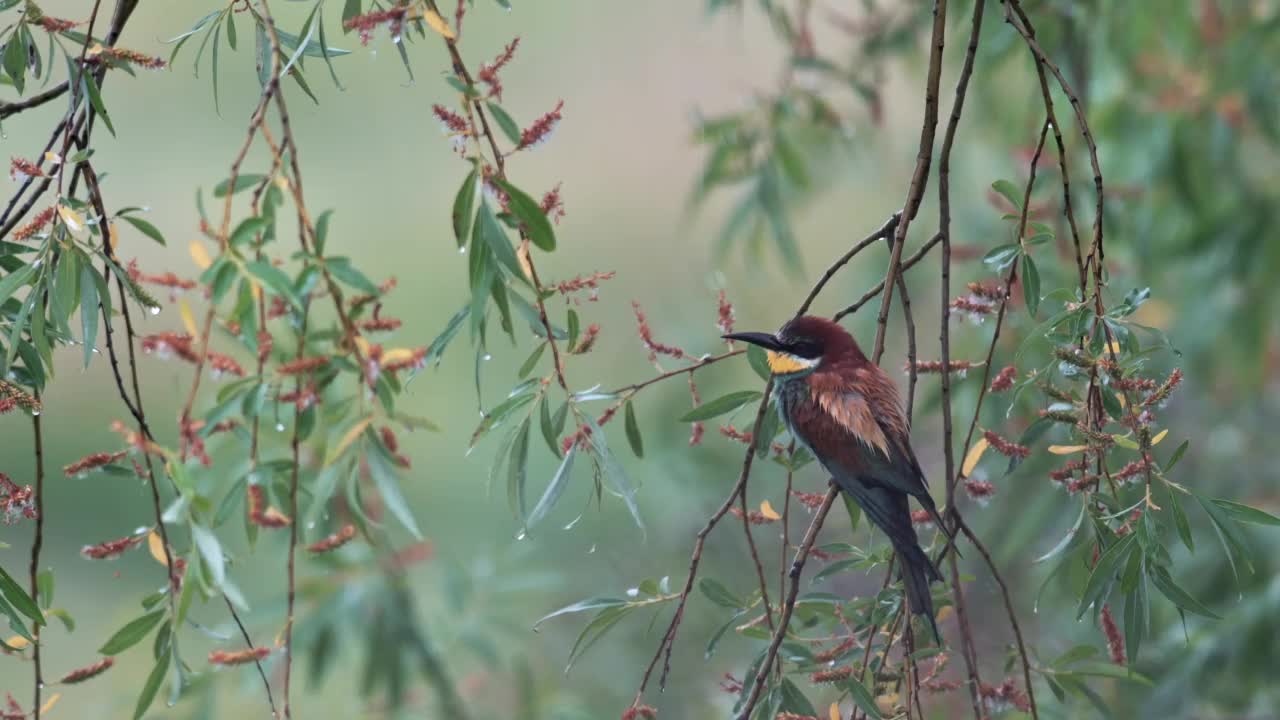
<point x="806" y="348"/>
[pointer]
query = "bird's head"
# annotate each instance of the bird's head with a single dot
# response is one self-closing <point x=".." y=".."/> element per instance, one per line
<point x="804" y="345"/>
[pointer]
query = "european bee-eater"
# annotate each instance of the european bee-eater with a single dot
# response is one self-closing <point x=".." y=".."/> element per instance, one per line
<point x="846" y="410"/>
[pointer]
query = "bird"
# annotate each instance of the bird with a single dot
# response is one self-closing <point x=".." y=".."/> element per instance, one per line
<point x="847" y="412"/>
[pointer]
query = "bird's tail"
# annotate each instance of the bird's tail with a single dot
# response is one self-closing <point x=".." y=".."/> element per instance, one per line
<point x="890" y="511"/>
<point x="917" y="572"/>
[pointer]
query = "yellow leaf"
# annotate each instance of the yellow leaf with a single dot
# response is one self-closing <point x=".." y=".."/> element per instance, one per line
<point x="200" y="255"/>
<point x="945" y="612"/>
<point x="1159" y="436"/>
<point x="188" y="320"/>
<point x="362" y="345"/>
<point x="834" y="712"/>
<point x="48" y="705"/>
<point x="346" y="440"/>
<point x="156" y="546"/>
<point x="1115" y="346"/>
<point x="52" y="158"/>
<point x="887" y="702"/>
<point x="767" y="510"/>
<point x="975" y="454"/>
<point x="114" y="235"/>
<point x="396" y="355"/>
<point x="71" y="218"/>
<point x="438" y="24"/>
<point x="1120" y="397"/>
<point x="522" y="255"/>
<point x="1066" y="449"/>
<point x="282" y="182"/>
<point x="17" y="642"/>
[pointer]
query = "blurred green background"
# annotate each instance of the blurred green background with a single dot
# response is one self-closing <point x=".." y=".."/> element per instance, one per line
<point x="1186" y="119"/>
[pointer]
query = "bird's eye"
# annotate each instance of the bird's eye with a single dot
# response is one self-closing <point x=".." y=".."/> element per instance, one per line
<point x="807" y="348"/>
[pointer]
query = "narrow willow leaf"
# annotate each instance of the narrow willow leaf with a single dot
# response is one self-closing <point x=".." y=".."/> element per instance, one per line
<point x="615" y="477"/>
<point x="1180" y="520"/>
<point x="549" y="432"/>
<point x="863" y="699"/>
<point x="759" y="362"/>
<point x="1030" y="285"/>
<point x="151" y="686"/>
<point x="721" y="405"/>
<point x="595" y="603"/>
<point x="464" y="205"/>
<point x="19" y="599"/>
<point x="717" y="593"/>
<point x="1009" y="192"/>
<point x="1245" y="513"/>
<point x="211" y="551"/>
<point x="555" y="489"/>
<point x="144" y="227"/>
<point x="243" y="182"/>
<point x="1164" y="582"/>
<point x="88" y="310"/>
<point x="275" y="280"/>
<point x="973" y="456"/>
<point x="531" y="362"/>
<point x="518" y="473"/>
<point x="505" y="122"/>
<point x="1104" y="572"/>
<point x="347" y="273"/>
<point x="384" y="478"/>
<point x="530" y="214"/>
<point x="633" y="431"/>
<point x="132" y="633"/>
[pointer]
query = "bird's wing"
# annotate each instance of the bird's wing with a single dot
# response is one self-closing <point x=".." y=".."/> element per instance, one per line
<point x="865" y="432"/>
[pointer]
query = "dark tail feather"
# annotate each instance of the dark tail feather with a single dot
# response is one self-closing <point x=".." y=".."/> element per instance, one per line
<point x="889" y="511"/>
<point x="917" y="572"/>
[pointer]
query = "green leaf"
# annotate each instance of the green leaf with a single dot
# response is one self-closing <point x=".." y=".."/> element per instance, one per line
<point x="44" y="586"/>
<point x="144" y="227"/>
<point x="531" y="362"/>
<point x="325" y="51"/>
<point x="1009" y="192"/>
<point x="721" y="405"/>
<point x="10" y="283"/>
<point x="211" y="551"/>
<point x="1030" y="285"/>
<point x="518" y="473"/>
<point x="243" y="182"/>
<point x="247" y="228"/>
<point x="601" y="624"/>
<point x="132" y="633"/>
<point x="759" y="362"/>
<point x="791" y="161"/>
<point x="1245" y="513"/>
<point x="275" y="280"/>
<point x="15" y="59"/>
<point x="508" y="125"/>
<point x="633" y="431"/>
<point x="1180" y="520"/>
<point x="863" y="698"/>
<point x="794" y="701"/>
<point x="615" y="477"/>
<point x="495" y="238"/>
<point x="555" y="489"/>
<point x="384" y="478"/>
<point x="308" y="28"/>
<point x="1104" y="572"/>
<point x="573" y="327"/>
<point x="344" y="271"/>
<point x="1164" y="582"/>
<point x="88" y="311"/>
<point x="464" y="205"/>
<point x="1106" y="669"/>
<point x="529" y="213"/>
<point x="495" y="416"/>
<point x="549" y="431"/>
<point x="95" y="99"/>
<point x="1002" y="256"/>
<point x="1233" y="542"/>
<point x="1177" y="455"/>
<point x="717" y="593"/>
<point x="595" y="603"/>
<point x="152" y="686"/>
<point x="19" y="599"/>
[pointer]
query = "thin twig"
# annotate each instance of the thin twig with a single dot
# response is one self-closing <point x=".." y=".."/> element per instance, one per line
<point x="36" y="544"/>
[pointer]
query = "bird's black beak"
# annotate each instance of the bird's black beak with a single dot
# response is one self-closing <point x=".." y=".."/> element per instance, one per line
<point x="764" y="340"/>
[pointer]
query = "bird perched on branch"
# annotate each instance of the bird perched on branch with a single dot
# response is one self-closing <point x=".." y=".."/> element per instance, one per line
<point x="846" y="410"/>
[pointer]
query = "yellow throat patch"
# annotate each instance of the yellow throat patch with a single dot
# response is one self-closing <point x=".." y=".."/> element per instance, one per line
<point x="785" y="363"/>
